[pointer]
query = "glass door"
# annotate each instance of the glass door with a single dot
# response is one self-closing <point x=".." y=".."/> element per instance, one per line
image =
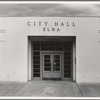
<point x="51" y="65"/>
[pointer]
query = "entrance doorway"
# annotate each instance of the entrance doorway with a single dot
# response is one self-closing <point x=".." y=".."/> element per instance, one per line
<point x="52" y="65"/>
<point x="52" y="58"/>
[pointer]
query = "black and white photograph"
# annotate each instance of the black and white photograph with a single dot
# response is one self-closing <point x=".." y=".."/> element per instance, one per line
<point x="50" y="49"/>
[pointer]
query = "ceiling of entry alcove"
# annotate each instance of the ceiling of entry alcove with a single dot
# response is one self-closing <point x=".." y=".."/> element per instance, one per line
<point x="41" y="10"/>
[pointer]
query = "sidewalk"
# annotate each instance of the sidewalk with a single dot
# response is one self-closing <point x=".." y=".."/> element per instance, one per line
<point x="48" y="89"/>
<point x="90" y="90"/>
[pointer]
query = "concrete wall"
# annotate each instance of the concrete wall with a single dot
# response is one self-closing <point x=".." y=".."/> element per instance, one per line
<point x="14" y="45"/>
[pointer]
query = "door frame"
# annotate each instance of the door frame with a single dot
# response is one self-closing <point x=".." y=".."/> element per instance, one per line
<point x="52" y="52"/>
<point x="50" y="74"/>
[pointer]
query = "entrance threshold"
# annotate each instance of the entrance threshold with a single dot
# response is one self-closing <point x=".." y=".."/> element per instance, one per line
<point x="52" y="79"/>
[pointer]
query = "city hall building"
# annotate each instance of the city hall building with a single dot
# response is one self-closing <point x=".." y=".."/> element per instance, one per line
<point x="50" y="48"/>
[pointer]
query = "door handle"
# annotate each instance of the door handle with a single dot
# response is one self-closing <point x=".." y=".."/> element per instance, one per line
<point x="54" y="63"/>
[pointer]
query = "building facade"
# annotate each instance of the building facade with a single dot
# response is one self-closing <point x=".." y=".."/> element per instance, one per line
<point x="42" y="48"/>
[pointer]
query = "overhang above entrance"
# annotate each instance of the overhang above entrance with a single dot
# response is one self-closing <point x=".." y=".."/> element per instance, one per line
<point x="51" y="38"/>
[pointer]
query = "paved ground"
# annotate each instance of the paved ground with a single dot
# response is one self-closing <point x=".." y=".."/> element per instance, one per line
<point x="90" y="90"/>
<point x="48" y="89"/>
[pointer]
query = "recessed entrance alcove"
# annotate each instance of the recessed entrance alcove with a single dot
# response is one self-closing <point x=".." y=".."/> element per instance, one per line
<point x="52" y="57"/>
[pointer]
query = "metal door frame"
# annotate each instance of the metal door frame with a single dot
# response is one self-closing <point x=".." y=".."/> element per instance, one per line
<point x="51" y="52"/>
<point x="51" y="73"/>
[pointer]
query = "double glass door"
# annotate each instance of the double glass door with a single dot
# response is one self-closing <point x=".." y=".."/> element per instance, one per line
<point x="51" y="65"/>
